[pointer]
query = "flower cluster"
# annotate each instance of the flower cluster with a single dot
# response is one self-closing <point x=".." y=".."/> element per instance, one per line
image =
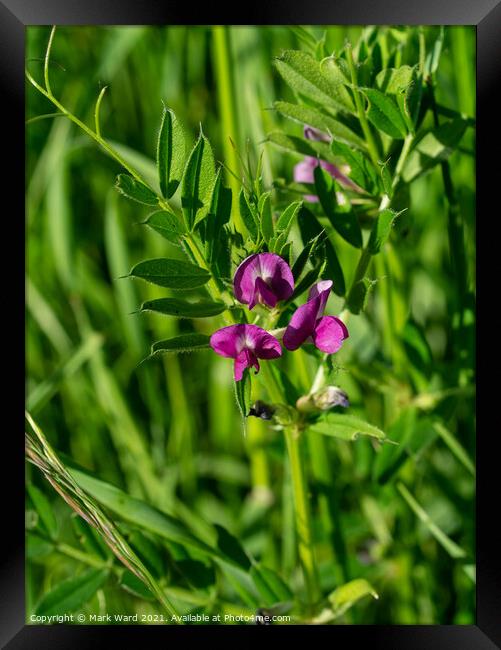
<point x="266" y="279"/>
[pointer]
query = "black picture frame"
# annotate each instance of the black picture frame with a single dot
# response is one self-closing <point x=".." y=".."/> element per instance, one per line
<point x="14" y="16"/>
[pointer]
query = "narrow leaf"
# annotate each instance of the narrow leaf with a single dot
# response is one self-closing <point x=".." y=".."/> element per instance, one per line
<point x="359" y="295"/>
<point x="133" y="189"/>
<point x="167" y="225"/>
<point x="198" y="180"/>
<point x="182" y="343"/>
<point x="44" y="509"/>
<point x="304" y="75"/>
<point x="446" y="542"/>
<point x="342" y="219"/>
<point x="170" y="153"/>
<point x="286" y="219"/>
<point x="270" y="585"/>
<point x="243" y="393"/>
<point x="381" y="230"/>
<point x="72" y="594"/>
<point x="384" y="114"/>
<point x="249" y="215"/>
<point x="267" y="227"/>
<point x="183" y="308"/>
<point x="344" y="597"/>
<point x="310" y="228"/>
<point x="173" y="274"/>
<point x="346" y="427"/>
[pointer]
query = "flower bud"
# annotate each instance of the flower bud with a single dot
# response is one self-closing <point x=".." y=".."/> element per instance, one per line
<point x="323" y="400"/>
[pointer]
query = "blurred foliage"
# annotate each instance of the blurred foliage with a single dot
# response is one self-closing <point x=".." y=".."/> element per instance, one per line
<point x="169" y="433"/>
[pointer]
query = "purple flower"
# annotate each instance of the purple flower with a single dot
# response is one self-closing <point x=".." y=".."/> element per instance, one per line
<point x="303" y="171"/>
<point x="265" y="278"/>
<point x="327" y="332"/>
<point x="246" y="344"/>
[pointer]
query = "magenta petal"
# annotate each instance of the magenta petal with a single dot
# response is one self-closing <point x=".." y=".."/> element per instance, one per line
<point x="264" y="277"/>
<point x="244" y="280"/>
<point x="329" y="334"/>
<point x="228" y="341"/>
<point x="277" y="274"/>
<point x="303" y="171"/>
<point x="264" y="345"/>
<point x="245" y="344"/>
<point x="302" y="324"/>
<point x="320" y="290"/>
<point x="245" y="359"/>
<point x="262" y="293"/>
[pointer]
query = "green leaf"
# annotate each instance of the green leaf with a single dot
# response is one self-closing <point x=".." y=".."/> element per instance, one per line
<point x="71" y="594"/>
<point x="387" y="179"/>
<point x="310" y="228"/>
<point x="219" y="215"/>
<point x="243" y="393"/>
<point x="312" y="148"/>
<point x="359" y="295"/>
<point x="381" y="230"/>
<point x="171" y="149"/>
<point x="433" y="58"/>
<point x="89" y="538"/>
<point x="137" y="512"/>
<point x="361" y="171"/>
<point x="286" y="219"/>
<point x="457" y="449"/>
<point x="270" y="585"/>
<point x="149" y="552"/>
<point x="393" y="81"/>
<point x="167" y="225"/>
<point x="346" y="427"/>
<point x="305" y="76"/>
<point x="230" y="547"/>
<point x="436" y="146"/>
<point x="44" y="510"/>
<point x="151" y="519"/>
<point x="344" y="597"/>
<point x="325" y="123"/>
<point x="132" y="584"/>
<point x="134" y="190"/>
<point x="390" y="458"/>
<point x="342" y="218"/>
<point x="384" y="114"/>
<point x="183" y="308"/>
<point x="198" y="181"/>
<point x="37" y="547"/>
<point x="332" y="70"/>
<point x="249" y="215"/>
<point x="304" y="256"/>
<point x="182" y="343"/>
<point x="267" y="227"/>
<point x="172" y="274"/>
<point x="451" y="547"/>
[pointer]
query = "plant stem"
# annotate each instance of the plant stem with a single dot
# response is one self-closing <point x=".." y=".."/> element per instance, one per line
<point x="302" y="514"/>
<point x="371" y="143"/>
<point x="227" y="110"/>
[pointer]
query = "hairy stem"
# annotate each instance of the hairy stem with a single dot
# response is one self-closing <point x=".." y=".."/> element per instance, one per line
<point x="302" y="515"/>
<point x="371" y="143"/>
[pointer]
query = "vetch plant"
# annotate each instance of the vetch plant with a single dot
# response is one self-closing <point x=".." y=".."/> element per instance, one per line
<point x="260" y="267"/>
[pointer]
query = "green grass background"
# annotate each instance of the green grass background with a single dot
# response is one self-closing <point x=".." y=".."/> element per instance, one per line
<point x="172" y="425"/>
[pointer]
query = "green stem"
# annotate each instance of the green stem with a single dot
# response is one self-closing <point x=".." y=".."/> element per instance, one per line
<point x="228" y="111"/>
<point x="371" y="143"/>
<point x="302" y="514"/>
